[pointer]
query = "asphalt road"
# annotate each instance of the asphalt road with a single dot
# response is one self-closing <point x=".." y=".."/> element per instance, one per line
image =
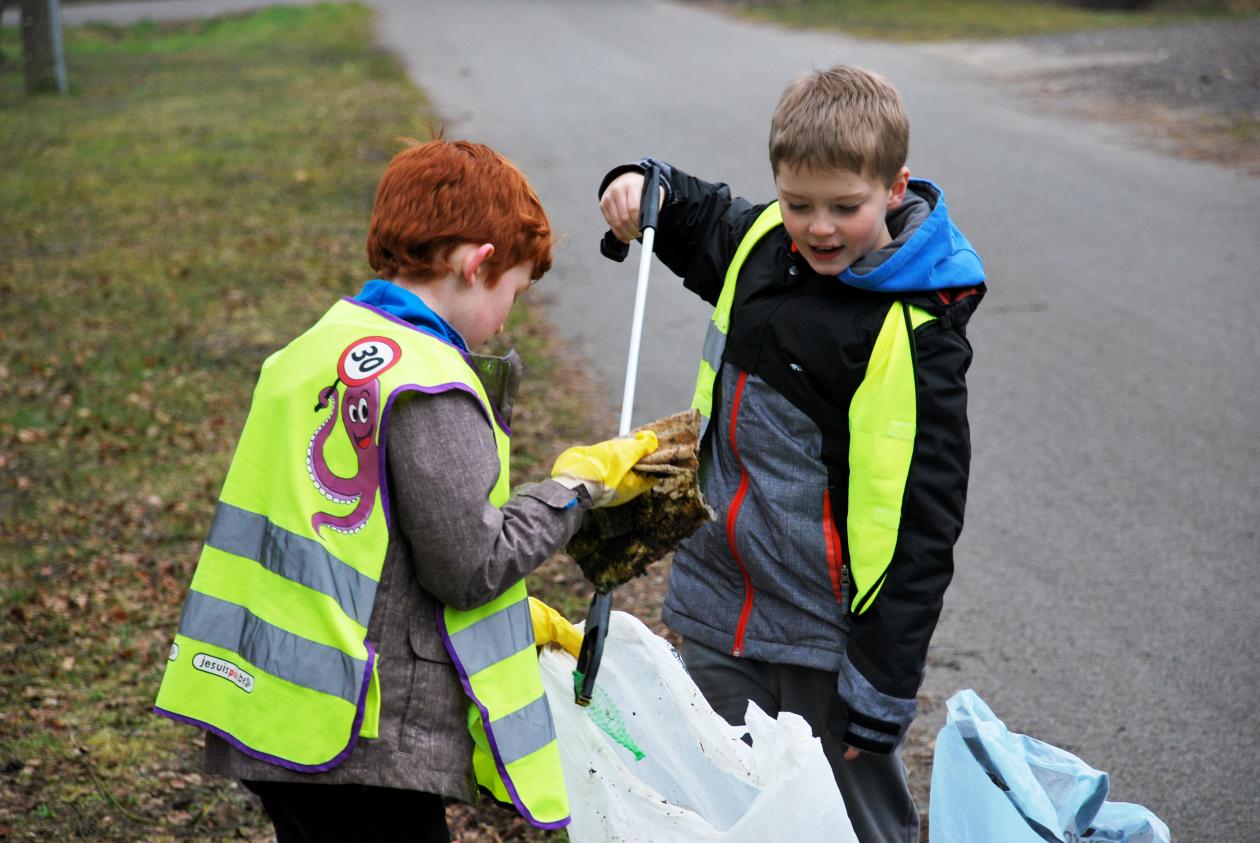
<point x="1105" y="597"/>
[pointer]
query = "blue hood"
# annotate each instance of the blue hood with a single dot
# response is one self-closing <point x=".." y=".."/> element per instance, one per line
<point x="928" y="251"/>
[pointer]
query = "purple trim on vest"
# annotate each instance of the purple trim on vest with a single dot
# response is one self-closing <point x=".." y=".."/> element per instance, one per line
<point x="403" y="322"/>
<point x="341" y="756"/>
<point x="462" y="353"/>
<point x="485" y="722"/>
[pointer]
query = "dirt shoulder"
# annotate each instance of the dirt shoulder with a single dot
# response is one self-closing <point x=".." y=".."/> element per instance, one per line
<point x="1190" y="90"/>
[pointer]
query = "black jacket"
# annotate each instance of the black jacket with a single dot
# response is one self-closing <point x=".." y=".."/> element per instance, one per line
<point x="769" y="578"/>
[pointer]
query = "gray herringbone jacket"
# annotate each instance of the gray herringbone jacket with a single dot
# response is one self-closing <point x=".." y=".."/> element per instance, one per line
<point x="447" y="545"/>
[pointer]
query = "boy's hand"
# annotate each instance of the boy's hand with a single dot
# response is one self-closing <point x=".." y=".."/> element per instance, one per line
<point x="838" y="724"/>
<point x="620" y="205"/>
<point x="551" y="627"/>
<point x="606" y="468"/>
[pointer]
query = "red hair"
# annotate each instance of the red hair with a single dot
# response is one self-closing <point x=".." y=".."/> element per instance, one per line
<point x="436" y="195"/>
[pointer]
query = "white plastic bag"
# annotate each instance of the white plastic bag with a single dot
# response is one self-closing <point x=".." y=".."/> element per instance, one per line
<point x="696" y="781"/>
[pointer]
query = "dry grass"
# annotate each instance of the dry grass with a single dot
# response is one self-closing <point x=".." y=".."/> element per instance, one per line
<point x="199" y="198"/>
<point x="926" y="20"/>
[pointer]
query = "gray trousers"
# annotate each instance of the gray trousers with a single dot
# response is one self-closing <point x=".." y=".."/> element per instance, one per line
<point x="873" y="786"/>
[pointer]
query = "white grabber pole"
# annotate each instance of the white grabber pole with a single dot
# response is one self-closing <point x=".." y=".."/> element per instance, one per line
<point x="614" y="249"/>
<point x="597" y="616"/>
<point x="636" y="331"/>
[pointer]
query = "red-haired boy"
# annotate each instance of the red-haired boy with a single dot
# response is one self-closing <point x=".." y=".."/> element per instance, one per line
<point x="357" y="639"/>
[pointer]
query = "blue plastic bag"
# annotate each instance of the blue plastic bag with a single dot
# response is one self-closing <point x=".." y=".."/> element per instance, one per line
<point x="990" y="784"/>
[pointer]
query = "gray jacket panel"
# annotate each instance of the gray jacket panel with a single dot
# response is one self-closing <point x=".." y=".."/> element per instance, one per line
<point x="780" y="537"/>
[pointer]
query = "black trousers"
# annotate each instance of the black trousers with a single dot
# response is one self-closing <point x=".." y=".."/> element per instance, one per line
<point x="337" y="813"/>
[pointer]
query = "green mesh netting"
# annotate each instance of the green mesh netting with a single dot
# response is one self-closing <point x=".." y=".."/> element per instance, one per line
<point x="605" y="714"/>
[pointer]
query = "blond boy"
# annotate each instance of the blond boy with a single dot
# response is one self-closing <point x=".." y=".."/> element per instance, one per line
<point x="837" y="449"/>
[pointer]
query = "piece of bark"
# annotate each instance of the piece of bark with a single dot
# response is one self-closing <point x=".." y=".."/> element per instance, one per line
<point x="615" y="544"/>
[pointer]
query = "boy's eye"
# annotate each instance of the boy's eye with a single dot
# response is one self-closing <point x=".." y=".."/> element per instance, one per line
<point x="847" y="209"/>
<point x="797" y="206"/>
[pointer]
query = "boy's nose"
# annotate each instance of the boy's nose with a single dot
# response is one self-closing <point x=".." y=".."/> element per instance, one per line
<point x="821" y="226"/>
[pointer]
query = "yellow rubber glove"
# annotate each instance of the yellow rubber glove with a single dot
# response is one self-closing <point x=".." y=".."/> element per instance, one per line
<point x="605" y="468"/>
<point x="551" y="627"/>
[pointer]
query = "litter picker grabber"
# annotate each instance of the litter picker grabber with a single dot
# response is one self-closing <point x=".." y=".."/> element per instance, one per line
<point x="601" y="604"/>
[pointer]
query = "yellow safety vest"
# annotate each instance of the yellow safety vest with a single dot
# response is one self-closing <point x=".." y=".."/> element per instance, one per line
<point x="882" y="421"/>
<point x="272" y="651"/>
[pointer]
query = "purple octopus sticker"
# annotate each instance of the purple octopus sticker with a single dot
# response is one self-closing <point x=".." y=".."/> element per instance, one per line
<point x="359" y="368"/>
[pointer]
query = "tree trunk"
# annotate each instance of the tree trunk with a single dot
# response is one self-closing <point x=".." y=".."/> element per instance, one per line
<point x="43" y="58"/>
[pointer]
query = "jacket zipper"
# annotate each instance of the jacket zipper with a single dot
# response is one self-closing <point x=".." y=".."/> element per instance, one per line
<point x="835" y="549"/>
<point x="731" y="515"/>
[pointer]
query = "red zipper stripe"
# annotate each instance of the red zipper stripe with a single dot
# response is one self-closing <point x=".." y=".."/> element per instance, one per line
<point x="835" y="550"/>
<point x="731" y="514"/>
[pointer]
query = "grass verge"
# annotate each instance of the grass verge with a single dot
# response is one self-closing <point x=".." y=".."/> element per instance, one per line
<point x="200" y="198"/>
<point x="923" y="20"/>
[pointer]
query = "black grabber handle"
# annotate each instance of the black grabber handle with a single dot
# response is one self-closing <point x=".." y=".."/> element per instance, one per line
<point x="612" y="248"/>
<point x="592" y="647"/>
<point x="649" y="211"/>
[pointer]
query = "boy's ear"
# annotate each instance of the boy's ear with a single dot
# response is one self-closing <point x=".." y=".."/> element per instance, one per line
<point x="897" y="191"/>
<point x="473" y="261"/>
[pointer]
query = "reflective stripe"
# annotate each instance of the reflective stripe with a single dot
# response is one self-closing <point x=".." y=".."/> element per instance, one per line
<point x="494" y="638"/>
<point x="524" y="731"/>
<point x="714" y="345"/>
<point x="270" y="648"/>
<point x="297" y="558"/>
<point x="710" y="362"/>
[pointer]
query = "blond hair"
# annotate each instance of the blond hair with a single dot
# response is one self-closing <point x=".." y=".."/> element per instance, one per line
<point x="845" y="118"/>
